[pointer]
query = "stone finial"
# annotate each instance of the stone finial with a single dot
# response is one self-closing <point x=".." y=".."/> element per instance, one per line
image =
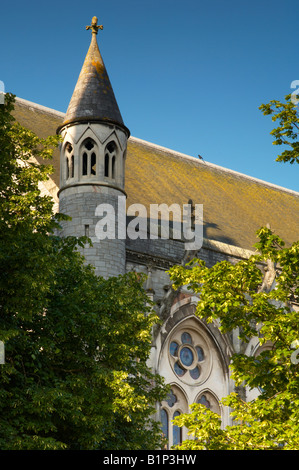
<point x="94" y="26"/>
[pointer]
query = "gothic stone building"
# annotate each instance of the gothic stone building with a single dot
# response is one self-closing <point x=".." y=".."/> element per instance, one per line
<point x="98" y="163"/>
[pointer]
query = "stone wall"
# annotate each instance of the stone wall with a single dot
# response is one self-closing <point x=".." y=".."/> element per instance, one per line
<point x="160" y="255"/>
<point x="80" y="202"/>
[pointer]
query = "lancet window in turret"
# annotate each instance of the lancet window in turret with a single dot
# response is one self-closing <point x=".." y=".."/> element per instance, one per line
<point x="110" y="160"/>
<point x="69" y="160"/>
<point x="89" y="158"/>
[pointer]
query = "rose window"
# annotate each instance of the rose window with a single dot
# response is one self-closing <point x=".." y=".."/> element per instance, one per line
<point x="188" y="356"/>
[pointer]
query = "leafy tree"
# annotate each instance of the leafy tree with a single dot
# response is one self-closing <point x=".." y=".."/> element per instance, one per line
<point x="231" y="294"/>
<point x="236" y="295"/>
<point x="286" y="133"/>
<point x="76" y="374"/>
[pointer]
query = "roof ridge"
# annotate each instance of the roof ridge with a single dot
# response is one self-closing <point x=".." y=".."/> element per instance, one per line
<point x="213" y="165"/>
<point x="39" y="107"/>
<point x="171" y="151"/>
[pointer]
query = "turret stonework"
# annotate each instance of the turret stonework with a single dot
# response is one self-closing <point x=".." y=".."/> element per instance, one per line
<point x="92" y="164"/>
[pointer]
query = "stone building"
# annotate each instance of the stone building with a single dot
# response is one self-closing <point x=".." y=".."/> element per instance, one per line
<point x="101" y="163"/>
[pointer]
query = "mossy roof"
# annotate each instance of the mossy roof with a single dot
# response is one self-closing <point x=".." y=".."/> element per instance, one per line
<point x="235" y="206"/>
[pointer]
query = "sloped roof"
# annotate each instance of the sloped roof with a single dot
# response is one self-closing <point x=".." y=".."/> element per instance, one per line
<point x="235" y="206"/>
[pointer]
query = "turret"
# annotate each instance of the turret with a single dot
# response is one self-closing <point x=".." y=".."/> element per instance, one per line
<point x="92" y="161"/>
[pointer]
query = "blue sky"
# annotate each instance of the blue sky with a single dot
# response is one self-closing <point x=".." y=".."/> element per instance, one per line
<point x="188" y="75"/>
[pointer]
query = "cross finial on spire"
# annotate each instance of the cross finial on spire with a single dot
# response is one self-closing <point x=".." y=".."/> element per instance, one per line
<point x="94" y="25"/>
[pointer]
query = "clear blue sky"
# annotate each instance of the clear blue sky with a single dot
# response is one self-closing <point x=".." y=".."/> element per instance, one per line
<point x="188" y="75"/>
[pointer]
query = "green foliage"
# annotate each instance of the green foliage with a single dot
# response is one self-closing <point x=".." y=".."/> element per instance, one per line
<point x="231" y="294"/>
<point x="76" y="345"/>
<point x="287" y="132"/>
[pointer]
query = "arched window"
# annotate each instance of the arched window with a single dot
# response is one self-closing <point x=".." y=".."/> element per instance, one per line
<point x="192" y="363"/>
<point x="165" y="424"/>
<point x="113" y="168"/>
<point x="107" y="164"/>
<point x="72" y="166"/>
<point x="67" y="168"/>
<point x="173" y="406"/>
<point x="207" y="399"/>
<point x="89" y="157"/>
<point x="69" y="161"/>
<point x="176" y="431"/>
<point x="93" y="166"/>
<point x="110" y="160"/>
<point x="204" y="401"/>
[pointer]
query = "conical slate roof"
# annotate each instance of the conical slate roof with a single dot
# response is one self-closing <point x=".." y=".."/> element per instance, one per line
<point x="93" y="98"/>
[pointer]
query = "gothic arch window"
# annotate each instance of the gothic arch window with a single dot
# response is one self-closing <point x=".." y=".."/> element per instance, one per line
<point x="191" y="358"/>
<point x="69" y="160"/>
<point x="89" y="157"/>
<point x="113" y="167"/>
<point x="174" y="405"/>
<point x="106" y="173"/>
<point x="176" y="431"/>
<point x="72" y="166"/>
<point x="110" y="160"/>
<point x="208" y="399"/>
<point x="165" y="423"/>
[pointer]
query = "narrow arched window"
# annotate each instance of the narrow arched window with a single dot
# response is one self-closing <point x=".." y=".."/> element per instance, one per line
<point x="176" y="431"/>
<point x="69" y="161"/>
<point x="164" y="422"/>
<point x="67" y="168"/>
<point x="84" y="164"/>
<point x="113" y="167"/>
<point x="93" y="166"/>
<point x="89" y="157"/>
<point x="107" y="164"/>
<point x="72" y="167"/>
<point x="110" y="160"/>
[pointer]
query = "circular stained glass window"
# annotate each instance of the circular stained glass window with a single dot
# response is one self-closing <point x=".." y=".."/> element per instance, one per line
<point x="186" y="356"/>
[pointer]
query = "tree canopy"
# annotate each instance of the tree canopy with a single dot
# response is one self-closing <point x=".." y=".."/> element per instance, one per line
<point x="239" y="298"/>
<point x="75" y="373"/>
<point x="286" y="133"/>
